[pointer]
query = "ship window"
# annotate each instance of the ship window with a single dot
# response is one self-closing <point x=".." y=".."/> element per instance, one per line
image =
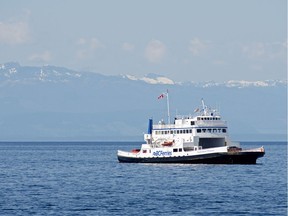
<point x="187" y="131"/>
<point x="145" y="151"/>
<point x="171" y="132"/>
<point x="198" y="130"/>
<point x="175" y="150"/>
<point x="219" y="130"/>
<point x="190" y="131"/>
<point x="209" y="130"/>
<point x="192" y="123"/>
<point x="198" y="118"/>
<point x="214" y="130"/>
<point x="204" y="130"/>
<point x="224" y="130"/>
<point x="180" y="149"/>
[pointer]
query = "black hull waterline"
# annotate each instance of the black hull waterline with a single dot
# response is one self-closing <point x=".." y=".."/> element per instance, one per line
<point x="214" y="158"/>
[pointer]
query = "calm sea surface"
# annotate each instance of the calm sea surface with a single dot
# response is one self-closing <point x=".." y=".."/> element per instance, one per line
<point x="86" y="179"/>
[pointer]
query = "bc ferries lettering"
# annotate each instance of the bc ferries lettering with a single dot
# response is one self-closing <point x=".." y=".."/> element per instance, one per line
<point x="162" y="153"/>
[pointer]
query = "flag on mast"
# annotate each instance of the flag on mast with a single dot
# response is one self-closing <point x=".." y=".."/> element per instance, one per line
<point x="161" y="96"/>
<point x="168" y="109"/>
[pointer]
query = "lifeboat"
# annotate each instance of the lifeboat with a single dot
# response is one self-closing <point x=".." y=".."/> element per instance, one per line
<point x="167" y="143"/>
<point x="135" y="151"/>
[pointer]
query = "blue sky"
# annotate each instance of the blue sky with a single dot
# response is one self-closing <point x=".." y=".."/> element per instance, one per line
<point x="187" y="40"/>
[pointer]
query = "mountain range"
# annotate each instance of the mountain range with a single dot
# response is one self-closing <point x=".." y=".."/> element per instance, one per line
<point x="52" y="103"/>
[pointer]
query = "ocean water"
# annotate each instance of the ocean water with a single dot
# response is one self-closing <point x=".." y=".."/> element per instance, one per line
<point x="86" y="179"/>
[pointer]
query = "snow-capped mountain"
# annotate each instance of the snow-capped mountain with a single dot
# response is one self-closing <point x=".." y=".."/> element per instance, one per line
<point x="242" y="83"/>
<point x="14" y="72"/>
<point x="56" y="103"/>
<point x="151" y="79"/>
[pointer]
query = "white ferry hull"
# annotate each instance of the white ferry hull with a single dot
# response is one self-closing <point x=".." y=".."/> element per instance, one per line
<point x="241" y="157"/>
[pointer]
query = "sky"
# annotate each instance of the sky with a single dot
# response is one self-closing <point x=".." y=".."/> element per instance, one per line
<point x="187" y="40"/>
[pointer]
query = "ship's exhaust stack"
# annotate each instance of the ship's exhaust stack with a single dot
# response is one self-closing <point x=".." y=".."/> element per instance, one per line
<point x="150" y="126"/>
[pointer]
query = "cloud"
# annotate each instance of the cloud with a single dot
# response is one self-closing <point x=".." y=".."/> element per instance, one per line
<point x="197" y="46"/>
<point x="14" y="33"/>
<point x="88" y="47"/>
<point x="265" y="51"/>
<point x="128" y="46"/>
<point x="81" y="41"/>
<point x="90" y="43"/>
<point x="155" y="51"/>
<point x="253" y="51"/>
<point x="45" y="56"/>
<point x="95" y="44"/>
<point x="219" y="62"/>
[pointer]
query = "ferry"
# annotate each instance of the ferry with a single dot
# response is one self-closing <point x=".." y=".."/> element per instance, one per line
<point x="201" y="138"/>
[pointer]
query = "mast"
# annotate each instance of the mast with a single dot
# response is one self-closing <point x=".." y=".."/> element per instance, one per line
<point x="166" y="94"/>
<point x="168" y="107"/>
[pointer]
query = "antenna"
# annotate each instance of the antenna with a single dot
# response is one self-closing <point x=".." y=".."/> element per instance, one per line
<point x="204" y="107"/>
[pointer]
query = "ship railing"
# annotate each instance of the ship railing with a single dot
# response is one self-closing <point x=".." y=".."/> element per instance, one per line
<point x="211" y="123"/>
<point x="185" y="116"/>
<point x="164" y="126"/>
<point x="198" y="123"/>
